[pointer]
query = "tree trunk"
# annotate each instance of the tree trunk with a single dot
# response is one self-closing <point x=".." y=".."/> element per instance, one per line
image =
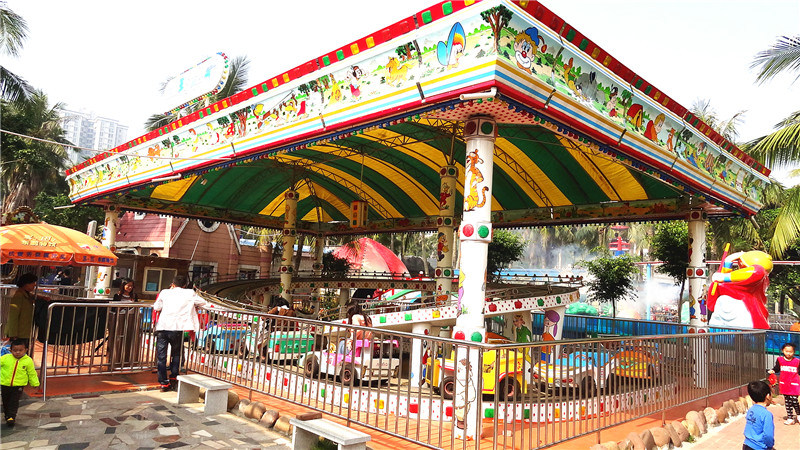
<point x="680" y="300"/>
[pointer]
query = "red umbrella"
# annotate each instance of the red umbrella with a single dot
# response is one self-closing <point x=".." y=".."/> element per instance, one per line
<point x="367" y="255"/>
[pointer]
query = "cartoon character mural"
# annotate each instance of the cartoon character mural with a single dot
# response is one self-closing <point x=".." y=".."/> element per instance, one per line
<point x="523" y="333"/>
<point x="611" y="105"/>
<point x="441" y="246"/>
<point x="551" y="319"/>
<point x="654" y="127"/>
<point x="526" y="46"/>
<point x="737" y="297"/>
<point x="448" y="53"/>
<point x="355" y="74"/>
<point x="473" y="200"/>
<point x="444" y="194"/>
<point x="397" y="72"/>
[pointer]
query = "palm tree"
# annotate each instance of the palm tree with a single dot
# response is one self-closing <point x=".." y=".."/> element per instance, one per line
<point x="782" y="147"/>
<point x="702" y="109"/>
<point x="30" y="166"/>
<point x="13" y="32"/>
<point x="237" y="80"/>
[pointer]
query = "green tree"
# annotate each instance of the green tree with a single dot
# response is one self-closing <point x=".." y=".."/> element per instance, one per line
<point x="613" y="278"/>
<point x="30" y="166"/>
<point x="333" y="265"/>
<point x="506" y="247"/>
<point x="781" y="148"/>
<point x="13" y="32"/>
<point x="497" y="17"/>
<point x="237" y="80"/>
<point x="670" y="245"/>
<point x="76" y="218"/>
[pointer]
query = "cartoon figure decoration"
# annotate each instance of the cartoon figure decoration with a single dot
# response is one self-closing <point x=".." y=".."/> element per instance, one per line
<point x="473" y="200"/>
<point x="671" y="140"/>
<point x="551" y="319"/>
<point x="441" y="246"/>
<point x="461" y="277"/>
<point x="397" y="72"/>
<point x="636" y="115"/>
<point x="737" y="297"/>
<point x="465" y="393"/>
<point x="611" y="105"/>
<point x="444" y="194"/>
<point x="448" y="53"/>
<point x="523" y="333"/>
<point x="654" y="127"/>
<point x="354" y="75"/>
<point x="526" y="46"/>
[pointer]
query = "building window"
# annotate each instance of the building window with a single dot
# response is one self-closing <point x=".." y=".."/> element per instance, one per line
<point x="203" y="274"/>
<point x="156" y="280"/>
<point x="209" y="226"/>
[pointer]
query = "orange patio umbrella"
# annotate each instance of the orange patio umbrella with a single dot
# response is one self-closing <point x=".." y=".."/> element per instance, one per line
<point x="45" y="244"/>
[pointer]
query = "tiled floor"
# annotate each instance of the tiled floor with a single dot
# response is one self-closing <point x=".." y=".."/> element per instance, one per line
<point x="138" y="419"/>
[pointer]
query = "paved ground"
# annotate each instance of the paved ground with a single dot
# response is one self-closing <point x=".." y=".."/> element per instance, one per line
<point x="131" y="420"/>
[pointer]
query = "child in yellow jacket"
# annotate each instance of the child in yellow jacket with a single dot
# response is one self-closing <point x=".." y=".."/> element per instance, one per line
<point x="16" y="372"/>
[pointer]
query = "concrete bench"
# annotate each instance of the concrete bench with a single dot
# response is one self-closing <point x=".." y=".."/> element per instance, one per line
<point x="216" y="392"/>
<point x="307" y="433"/>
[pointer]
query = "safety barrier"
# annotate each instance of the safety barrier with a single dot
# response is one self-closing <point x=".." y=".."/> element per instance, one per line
<point x="411" y="386"/>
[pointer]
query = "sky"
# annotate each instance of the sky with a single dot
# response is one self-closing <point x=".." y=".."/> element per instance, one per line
<point x="111" y="57"/>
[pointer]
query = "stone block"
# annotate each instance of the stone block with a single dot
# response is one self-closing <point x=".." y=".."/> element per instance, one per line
<point x="257" y="409"/>
<point x="711" y="416"/>
<point x="242" y="407"/>
<point x="269" y="418"/>
<point x="683" y="433"/>
<point x="749" y="401"/>
<point x="610" y="445"/>
<point x="202" y="393"/>
<point x="625" y="444"/>
<point x="673" y="435"/>
<point x="233" y="399"/>
<point x="741" y="407"/>
<point x="691" y="426"/>
<point x="660" y="436"/>
<point x="636" y="441"/>
<point x="694" y="416"/>
<point x="597" y="447"/>
<point x="647" y="438"/>
<point x="282" y="425"/>
<point x="722" y="414"/>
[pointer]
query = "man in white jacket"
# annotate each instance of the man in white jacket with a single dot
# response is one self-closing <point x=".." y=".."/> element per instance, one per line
<point x="177" y="314"/>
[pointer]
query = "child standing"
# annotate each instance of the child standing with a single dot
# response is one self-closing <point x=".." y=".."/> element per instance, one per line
<point x="16" y="372"/>
<point x="759" y="431"/>
<point x="789" y="381"/>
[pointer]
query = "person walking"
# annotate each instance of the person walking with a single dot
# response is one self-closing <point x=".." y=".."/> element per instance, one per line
<point x="789" y="381"/>
<point x="16" y="372"/>
<point x="177" y="307"/>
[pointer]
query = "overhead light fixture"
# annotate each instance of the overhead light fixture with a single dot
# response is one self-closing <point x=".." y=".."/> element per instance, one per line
<point x="64" y="207"/>
<point x="171" y="177"/>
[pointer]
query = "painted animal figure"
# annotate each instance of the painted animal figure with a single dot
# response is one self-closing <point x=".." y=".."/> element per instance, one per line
<point x="473" y="200"/>
<point x="670" y="140"/>
<point x="586" y="86"/>
<point x="396" y="72"/>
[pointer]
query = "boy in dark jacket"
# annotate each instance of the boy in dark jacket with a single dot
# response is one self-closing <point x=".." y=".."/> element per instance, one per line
<point x="16" y="372"/>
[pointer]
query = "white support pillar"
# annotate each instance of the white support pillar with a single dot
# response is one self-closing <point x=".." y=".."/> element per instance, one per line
<point x="475" y="233"/>
<point x="319" y="249"/>
<point x="102" y="285"/>
<point x="697" y="273"/>
<point x="289" y="238"/>
<point x="445" y="245"/>
<point x="417" y="351"/>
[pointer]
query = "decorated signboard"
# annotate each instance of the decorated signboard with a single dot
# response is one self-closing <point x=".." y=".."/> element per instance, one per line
<point x="455" y="49"/>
